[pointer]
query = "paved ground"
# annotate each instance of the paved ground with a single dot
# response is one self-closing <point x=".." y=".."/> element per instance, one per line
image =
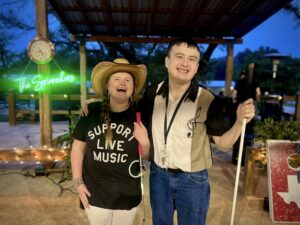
<point x="25" y="134"/>
<point x="42" y="200"/>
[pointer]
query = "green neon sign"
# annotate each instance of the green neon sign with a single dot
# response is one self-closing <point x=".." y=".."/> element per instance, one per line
<point x="38" y="83"/>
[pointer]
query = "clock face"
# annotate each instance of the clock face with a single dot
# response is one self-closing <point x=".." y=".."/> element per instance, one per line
<point x="41" y="50"/>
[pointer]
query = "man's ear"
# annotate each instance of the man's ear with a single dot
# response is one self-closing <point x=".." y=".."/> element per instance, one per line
<point x="166" y="61"/>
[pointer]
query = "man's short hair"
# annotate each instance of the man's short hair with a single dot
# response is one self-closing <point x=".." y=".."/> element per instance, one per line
<point x="177" y="41"/>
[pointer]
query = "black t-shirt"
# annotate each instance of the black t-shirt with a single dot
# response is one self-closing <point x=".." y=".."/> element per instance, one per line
<point x="106" y="171"/>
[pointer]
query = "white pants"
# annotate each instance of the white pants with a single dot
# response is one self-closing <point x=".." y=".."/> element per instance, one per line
<point x="100" y="216"/>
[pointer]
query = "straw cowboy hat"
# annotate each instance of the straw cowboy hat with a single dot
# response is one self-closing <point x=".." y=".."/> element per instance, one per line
<point x="103" y="70"/>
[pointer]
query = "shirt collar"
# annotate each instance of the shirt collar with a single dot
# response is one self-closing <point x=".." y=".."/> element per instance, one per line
<point x="192" y="95"/>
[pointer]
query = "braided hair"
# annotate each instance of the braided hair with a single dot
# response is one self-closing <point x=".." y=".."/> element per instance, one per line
<point x="106" y="116"/>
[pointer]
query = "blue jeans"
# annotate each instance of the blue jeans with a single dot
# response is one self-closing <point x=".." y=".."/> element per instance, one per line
<point x="186" y="192"/>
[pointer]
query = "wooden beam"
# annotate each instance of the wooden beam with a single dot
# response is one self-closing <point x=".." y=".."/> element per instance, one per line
<point x="84" y="16"/>
<point x="82" y="61"/>
<point x="129" y="26"/>
<point x="190" y="12"/>
<point x="229" y="69"/>
<point x="176" y="10"/>
<point x="107" y="38"/>
<point x="108" y="15"/>
<point x="44" y="70"/>
<point x="152" y="15"/>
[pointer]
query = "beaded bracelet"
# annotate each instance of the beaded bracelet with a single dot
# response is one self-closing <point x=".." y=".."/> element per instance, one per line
<point x="77" y="182"/>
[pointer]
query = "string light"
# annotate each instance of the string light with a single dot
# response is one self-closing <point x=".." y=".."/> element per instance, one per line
<point x="31" y="154"/>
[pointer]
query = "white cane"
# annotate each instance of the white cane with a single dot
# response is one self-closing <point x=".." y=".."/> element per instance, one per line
<point x="237" y="176"/>
<point x="138" y="120"/>
<point x="238" y="170"/>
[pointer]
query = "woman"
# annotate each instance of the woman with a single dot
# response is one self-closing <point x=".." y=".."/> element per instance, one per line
<point x="104" y="154"/>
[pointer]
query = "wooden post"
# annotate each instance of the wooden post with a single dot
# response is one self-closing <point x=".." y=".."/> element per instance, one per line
<point x="249" y="160"/>
<point x="249" y="172"/>
<point x="44" y="98"/>
<point x="83" y="91"/>
<point x="229" y="69"/>
<point x="251" y="70"/>
<point x="11" y="108"/>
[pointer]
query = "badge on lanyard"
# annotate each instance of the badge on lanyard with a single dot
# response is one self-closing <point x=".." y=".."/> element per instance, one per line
<point x="164" y="157"/>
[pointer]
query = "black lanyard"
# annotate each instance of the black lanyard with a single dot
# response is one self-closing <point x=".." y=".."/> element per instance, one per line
<point x="166" y="128"/>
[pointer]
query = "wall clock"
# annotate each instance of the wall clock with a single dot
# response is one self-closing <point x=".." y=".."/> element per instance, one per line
<point x="41" y="50"/>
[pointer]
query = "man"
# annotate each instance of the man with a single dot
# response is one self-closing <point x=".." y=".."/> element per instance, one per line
<point x="181" y="119"/>
<point x="240" y="90"/>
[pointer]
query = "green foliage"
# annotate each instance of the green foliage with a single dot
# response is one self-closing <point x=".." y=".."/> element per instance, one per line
<point x="279" y="130"/>
<point x="214" y="70"/>
<point x="65" y="142"/>
<point x="288" y="75"/>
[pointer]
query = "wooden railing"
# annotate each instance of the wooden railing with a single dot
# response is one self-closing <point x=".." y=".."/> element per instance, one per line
<point x="14" y="113"/>
<point x="12" y="99"/>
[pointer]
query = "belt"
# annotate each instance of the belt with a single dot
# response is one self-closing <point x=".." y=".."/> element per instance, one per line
<point x="173" y="170"/>
<point x="170" y="170"/>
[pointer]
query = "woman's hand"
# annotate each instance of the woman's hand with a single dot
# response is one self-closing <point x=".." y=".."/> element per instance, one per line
<point x="84" y="110"/>
<point x="83" y="195"/>
<point x="141" y="134"/>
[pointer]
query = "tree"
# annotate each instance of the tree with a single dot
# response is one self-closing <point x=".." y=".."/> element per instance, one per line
<point x="11" y="25"/>
<point x="294" y="8"/>
<point x="288" y="75"/>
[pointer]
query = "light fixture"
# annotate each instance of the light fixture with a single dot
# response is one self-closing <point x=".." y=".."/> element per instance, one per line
<point x="276" y="58"/>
